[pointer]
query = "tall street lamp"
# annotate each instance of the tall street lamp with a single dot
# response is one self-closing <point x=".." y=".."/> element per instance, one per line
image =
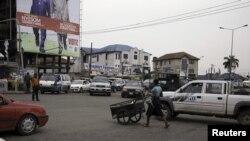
<point x="232" y="29"/>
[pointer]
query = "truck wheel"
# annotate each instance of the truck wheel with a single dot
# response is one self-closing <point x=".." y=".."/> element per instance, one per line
<point x="108" y="94"/>
<point x="175" y="114"/>
<point x="167" y="111"/>
<point x="244" y="117"/>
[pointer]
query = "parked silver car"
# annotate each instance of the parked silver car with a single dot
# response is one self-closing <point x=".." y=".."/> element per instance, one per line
<point x="100" y="84"/>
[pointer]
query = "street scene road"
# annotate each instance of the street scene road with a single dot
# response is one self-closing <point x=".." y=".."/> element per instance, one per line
<point x="81" y="117"/>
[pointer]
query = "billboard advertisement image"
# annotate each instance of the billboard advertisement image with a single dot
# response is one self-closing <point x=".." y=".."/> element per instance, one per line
<point x="49" y="26"/>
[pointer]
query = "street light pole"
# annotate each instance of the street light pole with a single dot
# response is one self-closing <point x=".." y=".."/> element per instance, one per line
<point x="232" y="41"/>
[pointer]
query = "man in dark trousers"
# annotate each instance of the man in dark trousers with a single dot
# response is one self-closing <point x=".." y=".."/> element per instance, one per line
<point x="27" y="80"/>
<point x="35" y="86"/>
<point x="40" y="8"/>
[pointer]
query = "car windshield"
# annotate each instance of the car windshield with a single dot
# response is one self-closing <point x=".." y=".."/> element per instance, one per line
<point x="133" y="83"/>
<point x="100" y="79"/>
<point x="77" y="82"/>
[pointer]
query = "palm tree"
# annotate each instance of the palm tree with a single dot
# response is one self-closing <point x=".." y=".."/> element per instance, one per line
<point x="230" y="62"/>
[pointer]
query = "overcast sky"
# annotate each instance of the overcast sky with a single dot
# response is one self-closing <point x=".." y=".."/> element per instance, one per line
<point x="198" y="36"/>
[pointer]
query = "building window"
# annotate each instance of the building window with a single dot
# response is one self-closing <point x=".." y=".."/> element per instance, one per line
<point x="169" y="61"/>
<point x="106" y="56"/>
<point x="135" y="57"/>
<point x="146" y="58"/>
<point x="160" y="63"/>
<point x="135" y="52"/>
<point x="125" y="56"/>
<point x="119" y="56"/>
<point x="191" y="62"/>
<point x="191" y="70"/>
<point x="165" y="62"/>
<point x="97" y="58"/>
<point x="116" y="56"/>
<point x="184" y="65"/>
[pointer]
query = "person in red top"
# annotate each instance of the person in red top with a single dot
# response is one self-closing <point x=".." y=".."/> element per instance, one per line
<point x="35" y="86"/>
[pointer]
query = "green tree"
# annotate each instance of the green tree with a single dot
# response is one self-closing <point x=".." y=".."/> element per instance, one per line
<point x="229" y="62"/>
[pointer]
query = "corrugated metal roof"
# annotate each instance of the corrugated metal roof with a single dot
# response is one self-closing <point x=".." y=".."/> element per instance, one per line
<point x="109" y="48"/>
<point x="177" y="55"/>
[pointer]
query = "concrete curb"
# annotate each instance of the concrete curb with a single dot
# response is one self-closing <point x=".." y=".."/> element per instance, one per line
<point x="13" y="92"/>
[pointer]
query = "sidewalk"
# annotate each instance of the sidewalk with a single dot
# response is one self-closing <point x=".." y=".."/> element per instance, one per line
<point x="13" y="92"/>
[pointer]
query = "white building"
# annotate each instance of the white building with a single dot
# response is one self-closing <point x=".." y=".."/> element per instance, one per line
<point x="116" y="59"/>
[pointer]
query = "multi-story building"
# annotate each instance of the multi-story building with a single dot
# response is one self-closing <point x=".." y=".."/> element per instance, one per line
<point x="180" y="63"/>
<point x="116" y="59"/>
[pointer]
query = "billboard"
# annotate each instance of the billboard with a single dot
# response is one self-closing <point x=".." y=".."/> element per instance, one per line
<point x="49" y="26"/>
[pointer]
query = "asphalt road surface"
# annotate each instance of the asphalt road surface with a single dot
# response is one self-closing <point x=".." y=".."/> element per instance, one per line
<point x="80" y="117"/>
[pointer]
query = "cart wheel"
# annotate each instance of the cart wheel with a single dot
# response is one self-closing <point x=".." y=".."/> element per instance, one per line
<point x="135" y="118"/>
<point x="123" y="117"/>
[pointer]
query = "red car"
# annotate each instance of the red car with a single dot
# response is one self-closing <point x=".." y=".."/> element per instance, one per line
<point x="20" y="116"/>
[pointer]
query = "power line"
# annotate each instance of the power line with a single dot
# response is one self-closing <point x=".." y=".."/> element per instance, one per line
<point x="196" y="15"/>
<point x="163" y="18"/>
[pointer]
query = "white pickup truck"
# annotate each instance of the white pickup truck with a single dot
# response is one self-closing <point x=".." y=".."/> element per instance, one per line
<point x="207" y="97"/>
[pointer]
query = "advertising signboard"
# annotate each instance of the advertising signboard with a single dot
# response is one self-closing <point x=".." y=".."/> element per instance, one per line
<point x="49" y="26"/>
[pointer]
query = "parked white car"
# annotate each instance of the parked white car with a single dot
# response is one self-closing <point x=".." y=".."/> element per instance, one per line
<point x="246" y="83"/>
<point x="80" y="86"/>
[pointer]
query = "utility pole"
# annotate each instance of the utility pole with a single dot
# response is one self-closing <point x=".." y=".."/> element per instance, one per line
<point x="211" y="75"/>
<point x="90" y="60"/>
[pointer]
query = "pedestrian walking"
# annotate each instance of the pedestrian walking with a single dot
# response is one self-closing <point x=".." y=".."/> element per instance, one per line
<point x="35" y="86"/>
<point x="27" y="80"/>
<point x="155" y="108"/>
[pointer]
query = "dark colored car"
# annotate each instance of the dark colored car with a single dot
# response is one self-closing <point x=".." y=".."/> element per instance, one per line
<point x="20" y="116"/>
<point x="133" y="89"/>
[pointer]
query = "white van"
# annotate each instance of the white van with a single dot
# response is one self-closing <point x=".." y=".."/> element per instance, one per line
<point x="54" y="83"/>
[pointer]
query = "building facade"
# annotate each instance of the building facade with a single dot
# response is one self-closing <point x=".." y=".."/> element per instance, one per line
<point x="180" y="63"/>
<point x="116" y="60"/>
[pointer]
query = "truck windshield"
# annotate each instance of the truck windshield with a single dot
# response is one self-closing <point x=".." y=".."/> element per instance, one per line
<point x="48" y="77"/>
